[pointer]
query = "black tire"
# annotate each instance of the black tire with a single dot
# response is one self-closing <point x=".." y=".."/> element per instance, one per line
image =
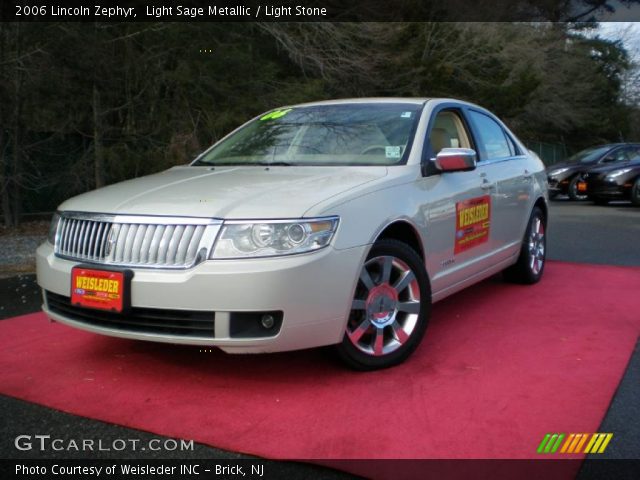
<point x="387" y="313"/>
<point x="530" y="265"/>
<point x="635" y="193"/>
<point x="572" y="190"/>
<point x="600" y="201"/>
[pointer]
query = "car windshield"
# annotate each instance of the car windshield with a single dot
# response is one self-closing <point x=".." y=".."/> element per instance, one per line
<point x="342" y="134"/>
<point x="589" y="155"/>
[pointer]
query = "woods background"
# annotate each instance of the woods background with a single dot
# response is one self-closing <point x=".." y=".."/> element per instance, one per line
<point x="83" y="105"/>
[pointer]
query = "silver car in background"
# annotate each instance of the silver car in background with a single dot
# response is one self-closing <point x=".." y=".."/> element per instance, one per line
<point x="328" y="223"/>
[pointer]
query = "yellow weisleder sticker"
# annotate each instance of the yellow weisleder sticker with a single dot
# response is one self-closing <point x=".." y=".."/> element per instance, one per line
<point x="97" y="284"/>
<point x="473" y="219"/>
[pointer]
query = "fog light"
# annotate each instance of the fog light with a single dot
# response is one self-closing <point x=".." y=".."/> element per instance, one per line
<point x="267" y="321"/>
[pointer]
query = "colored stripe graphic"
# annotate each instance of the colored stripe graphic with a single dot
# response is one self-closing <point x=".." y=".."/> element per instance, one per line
<point x="598" y="442"/>
<point x="550" y="443"/>
<point x="581" y="442"/>
<point x="591" y="442"/>
<point x="568" y="442"/>
<point x="574" y="442"/>
<point x="605" y="443"/>
<point x="573" y="445"/>
<point x="543" y="443"/>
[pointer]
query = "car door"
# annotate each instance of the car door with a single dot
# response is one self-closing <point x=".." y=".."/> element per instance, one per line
<point x="457" y="205"/>
<point x="504" y="165"/>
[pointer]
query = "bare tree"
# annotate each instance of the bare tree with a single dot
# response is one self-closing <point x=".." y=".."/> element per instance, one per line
<point x="337" y="52"/>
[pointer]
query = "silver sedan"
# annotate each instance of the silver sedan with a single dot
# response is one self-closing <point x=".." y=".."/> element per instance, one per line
<point x="328" y="223"/>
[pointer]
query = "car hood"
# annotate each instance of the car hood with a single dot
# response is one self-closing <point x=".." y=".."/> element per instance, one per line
<point x="570" y="166"/>
<point x="226" y="192"/>
<point x="610" y="167"/>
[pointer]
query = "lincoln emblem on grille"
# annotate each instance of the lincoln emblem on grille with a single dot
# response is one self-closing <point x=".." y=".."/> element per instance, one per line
<point x="111" y="241"/>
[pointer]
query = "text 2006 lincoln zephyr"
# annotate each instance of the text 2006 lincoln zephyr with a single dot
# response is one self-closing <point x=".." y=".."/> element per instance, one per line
<point x="328" y="223"/>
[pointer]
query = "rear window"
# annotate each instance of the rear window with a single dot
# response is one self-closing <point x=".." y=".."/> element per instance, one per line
<point x="493" y="142"/>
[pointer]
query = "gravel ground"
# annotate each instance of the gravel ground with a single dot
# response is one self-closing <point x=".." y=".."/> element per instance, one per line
<point x="18" y="247"/>
<point x="19" y="295"/>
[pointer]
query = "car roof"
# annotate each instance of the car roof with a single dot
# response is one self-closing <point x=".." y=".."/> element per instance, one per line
<point x="613" y="145"/>
<point x="409" y="100"/>
<point x="415" y="101"/>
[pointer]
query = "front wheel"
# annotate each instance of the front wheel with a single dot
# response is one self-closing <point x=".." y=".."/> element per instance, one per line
<point x="635" y="193"/>
<point x="530" y="265"/>
<point x="574" y="193"/>
<point x="390" y="309"/>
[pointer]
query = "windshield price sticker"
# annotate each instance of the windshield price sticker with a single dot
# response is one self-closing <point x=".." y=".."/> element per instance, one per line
<point x="275" y="114"/>
<point x="393" y="151"/>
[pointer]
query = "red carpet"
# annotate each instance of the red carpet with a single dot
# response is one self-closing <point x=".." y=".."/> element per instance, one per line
<point x="501" y="365"/>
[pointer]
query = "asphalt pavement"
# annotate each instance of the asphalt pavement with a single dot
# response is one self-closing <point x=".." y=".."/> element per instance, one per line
<point x="587" y="233"/>
<point x="577" y="232"/>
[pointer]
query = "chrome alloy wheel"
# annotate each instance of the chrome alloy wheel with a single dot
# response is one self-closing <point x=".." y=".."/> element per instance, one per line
<point x="536" y="246"/>
<point x="386" y="307"/>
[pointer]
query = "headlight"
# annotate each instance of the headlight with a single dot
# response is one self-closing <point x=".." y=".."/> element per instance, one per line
<point x="272" y="238"/>
<point x="617" y="173"/>
<point x="559" y="171"/>
<point x="53" y="229"/>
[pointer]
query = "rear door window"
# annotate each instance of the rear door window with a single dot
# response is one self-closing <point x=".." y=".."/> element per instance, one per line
<point x="623" y="154"/>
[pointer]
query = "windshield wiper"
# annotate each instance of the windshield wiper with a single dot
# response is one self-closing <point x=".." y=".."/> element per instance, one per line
<point x="244" y="164"/>
<point x="200" y="163"/>
<point x="276" y="164"/>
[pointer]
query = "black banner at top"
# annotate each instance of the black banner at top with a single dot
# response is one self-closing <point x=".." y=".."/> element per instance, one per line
<point x="320" y="10"/>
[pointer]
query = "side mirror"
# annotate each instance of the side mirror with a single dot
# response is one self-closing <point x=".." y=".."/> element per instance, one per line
<point x="608" y="159"/>
<point x="455" y="160"/>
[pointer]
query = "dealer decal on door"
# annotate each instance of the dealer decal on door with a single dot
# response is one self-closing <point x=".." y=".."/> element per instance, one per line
<point x="473" y="218"/>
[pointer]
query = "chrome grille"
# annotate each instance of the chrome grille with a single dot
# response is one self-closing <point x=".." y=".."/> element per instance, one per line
<point x="131" y="240"/>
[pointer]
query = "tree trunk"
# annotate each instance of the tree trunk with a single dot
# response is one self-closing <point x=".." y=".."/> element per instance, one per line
<point x="98" y="148"/>
<point x="4" y="158"/>
<point x="16" y="147"/>
<point x="14" y="170"/>
<point x="4" y="182"/>
<point x="17" y="154"/>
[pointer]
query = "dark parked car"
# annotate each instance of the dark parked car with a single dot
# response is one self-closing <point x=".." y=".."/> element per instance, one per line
<point x="613" y="182"/>
<point x="564" y="177"/>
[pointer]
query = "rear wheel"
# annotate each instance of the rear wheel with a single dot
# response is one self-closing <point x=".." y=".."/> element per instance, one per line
<point x="573" y="192"/>
<point x="390" y="309"/>
<point x="635" y="193"/>
<point x="530" y="265"/>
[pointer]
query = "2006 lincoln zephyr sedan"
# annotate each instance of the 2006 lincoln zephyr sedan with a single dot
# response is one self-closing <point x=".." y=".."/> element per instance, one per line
<point x="329" y="223"/>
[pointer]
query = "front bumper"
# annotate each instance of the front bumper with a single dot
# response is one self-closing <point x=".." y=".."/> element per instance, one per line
<point x="313" y="291"/>
<point x="607" y="189"/>
<point x="557" y="185"/>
